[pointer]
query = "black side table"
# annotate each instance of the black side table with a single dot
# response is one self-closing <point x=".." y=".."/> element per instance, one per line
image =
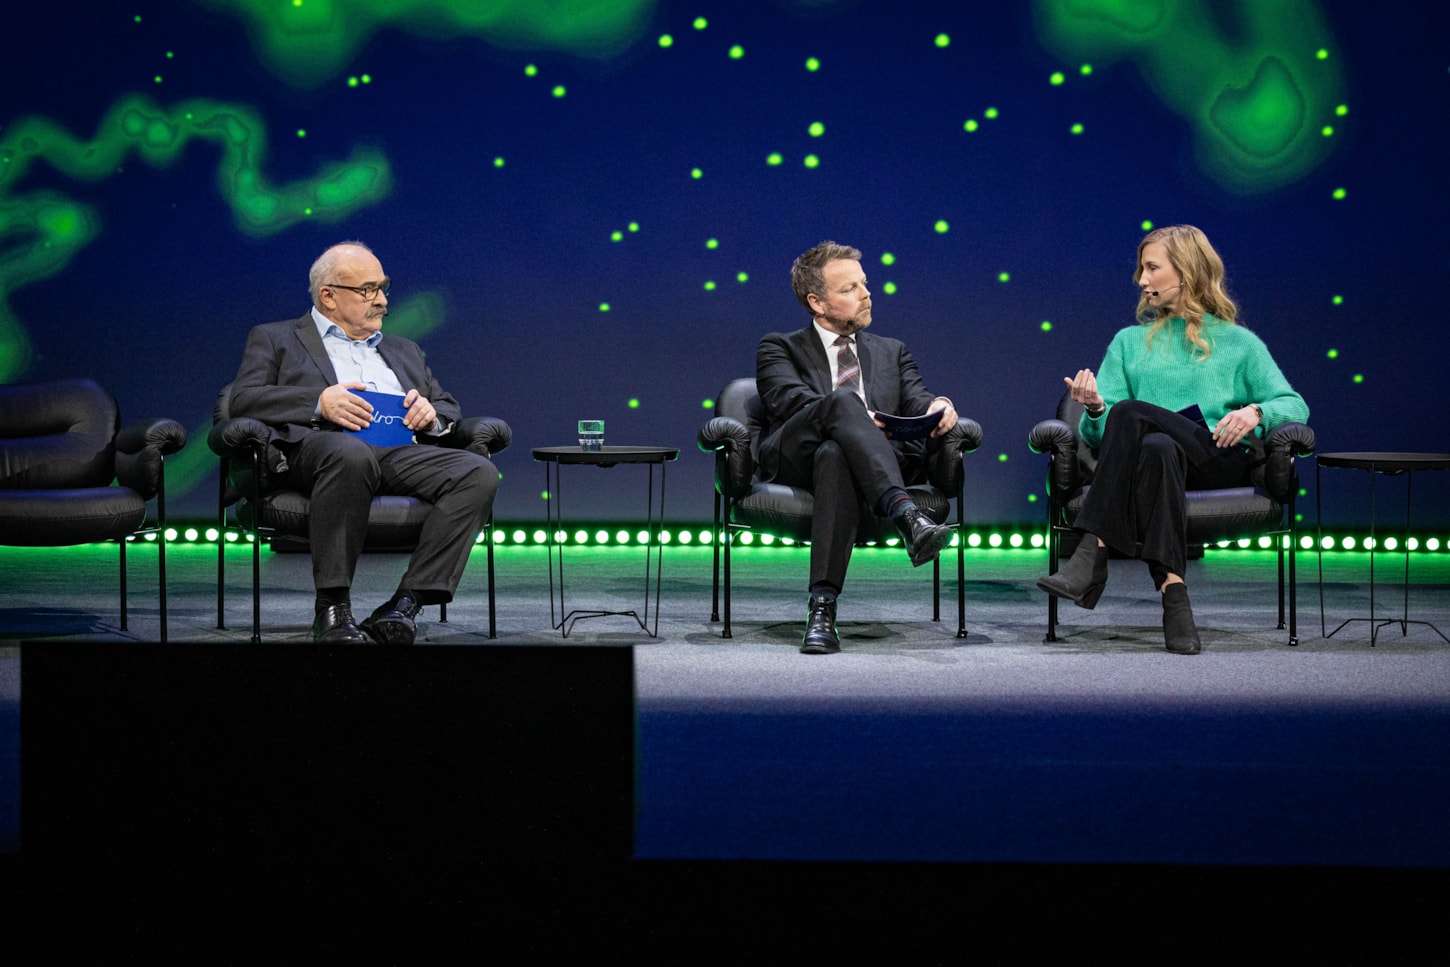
<point x="554" y="459"/>
<point x="1375" y="463"/>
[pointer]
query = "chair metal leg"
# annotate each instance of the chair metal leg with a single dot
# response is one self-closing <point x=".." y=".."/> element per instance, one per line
<point x="715" y="571"/>
<point x="488" y="536"/>
<point x="123" y="583"/>
<point x="961" y="571"/>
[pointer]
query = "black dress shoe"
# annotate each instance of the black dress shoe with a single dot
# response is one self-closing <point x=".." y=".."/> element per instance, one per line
<point x="1180" y="634"/>
<point x="923" y="538"/>
<point x="334" y="625"/>
<point x="392" y="623"/>
<point x="1082" y="578"/>
<point x="821" y="637"/>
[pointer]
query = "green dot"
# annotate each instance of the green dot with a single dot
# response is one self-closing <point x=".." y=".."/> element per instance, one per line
<point x="1146" y="225"/>
<point x="737" y="52"/>
<point x="889" y="288"/>
<point x="352" y="81"/>
<point x="707" y="404"/>
<point x="666" y="40"/>
<point x="742" y="276"/>
<point x="137" y="18"/>
<point x="1359" y="377"/>
<point x="531" y="71"/>
<point x="559" y="90"/>
<point x="1338" y="300"/>
<point x="302" y="132"/>
<point x="307" y="211"/>
<point x="616" y="235"/>
<point x="1001" y="458"/>
<point x="990" y="114"/>
<point x="1339" y="194"/>
<point x="942" y="40"/>
<point x="696" y="173"/>
<point x="1342" y="110"/>
<point x="1327" y="130"/>
<point x="1032" y="498"/>
<point x="1322" y="54"/>
<point x="1046" y="326"/>
<point x="1003" y="277"/>
<point x="169" y="55"/>
<point x="812" y="161"/>
<point x="712" y="243"/>
<point x="701" y="23"/>
<point x="1085" y="70"/>
<point x="367" y="78"/>
<point x="498" y="162"/>
<point x="1333" y="354"/>
<point x="1056" y="79"/>
<point x="970" y="126"/>
<point x="1076" y="129"/>
<point x="634" y="403"/>
<point x="157" y="79"/>
<point x="812" y="64"/>
<point x="941" y="226"/>
<point x="888" y="259"/>
<point x="633" y="226"/>
<point x="710" y="285"/>
<point x="603" y="307"/>
<point x="773" y="158"/>
<point x="817" y="129"/>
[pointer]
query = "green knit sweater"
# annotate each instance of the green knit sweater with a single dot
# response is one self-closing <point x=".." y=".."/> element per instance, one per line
<point x="1174" y="374"/>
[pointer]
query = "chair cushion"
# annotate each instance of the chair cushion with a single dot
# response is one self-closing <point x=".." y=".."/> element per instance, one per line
<point x="1218" y="515"/>
<point x="57" y="434"/>
<point x="60" y="518"/>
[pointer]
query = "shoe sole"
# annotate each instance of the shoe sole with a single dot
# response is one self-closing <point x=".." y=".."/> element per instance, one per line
<point x="1088" y="599"/>
<point x="820" y="649"/>
<point x="386" y="632"/>
<point x="930" y="552"/>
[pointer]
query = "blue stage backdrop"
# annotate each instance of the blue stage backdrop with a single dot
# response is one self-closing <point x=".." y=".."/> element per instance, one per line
<point x="589" y="207"/>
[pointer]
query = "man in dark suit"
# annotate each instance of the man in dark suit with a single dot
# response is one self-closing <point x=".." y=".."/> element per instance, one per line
<point x="823" y="387"/>
<point x="297" y="377"/>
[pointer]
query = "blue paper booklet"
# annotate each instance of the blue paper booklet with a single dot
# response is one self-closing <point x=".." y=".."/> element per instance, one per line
<point x="387" y="429"/>
<point x="910" y="427"/>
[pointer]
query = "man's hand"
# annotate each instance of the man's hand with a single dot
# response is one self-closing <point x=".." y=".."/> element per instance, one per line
<point x="948" y="417"/>
<point x="421" y="415"/>
<point x="346" y="409"/>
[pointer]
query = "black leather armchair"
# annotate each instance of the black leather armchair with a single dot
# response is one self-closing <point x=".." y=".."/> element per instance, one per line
<point x="744" y="503"/>
<point x="69" y="474"/>
<point x="1264" y="509"/>
<point x="281" y="516"/>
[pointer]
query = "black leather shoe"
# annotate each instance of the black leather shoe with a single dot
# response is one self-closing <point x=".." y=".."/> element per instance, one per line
<point x="923" y="538"/>
<point x="1082" y="578"/>
<point x="821" y="637"/>
<point x="334" y="625"/>
<point x="1180" y="634"/>
<point x="392" y="623"/>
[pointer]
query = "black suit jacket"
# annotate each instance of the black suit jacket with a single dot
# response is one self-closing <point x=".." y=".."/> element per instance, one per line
<point x="285" y="368"/>
<point x="792" y="371"/>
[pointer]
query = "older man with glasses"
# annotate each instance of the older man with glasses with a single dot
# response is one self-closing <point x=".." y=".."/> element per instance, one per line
<point x="299" y="377"/>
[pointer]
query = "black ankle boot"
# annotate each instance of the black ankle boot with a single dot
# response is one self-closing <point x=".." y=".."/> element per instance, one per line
<point x="1180" y="634"/>
<point x="1081" y="579"/>
<point x="821" y="637"/>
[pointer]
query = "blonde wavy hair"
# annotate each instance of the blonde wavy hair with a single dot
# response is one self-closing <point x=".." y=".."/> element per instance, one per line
<point x="1204" y="290"/>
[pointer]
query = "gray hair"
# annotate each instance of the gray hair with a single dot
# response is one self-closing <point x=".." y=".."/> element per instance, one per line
<point x="326" y="264"/>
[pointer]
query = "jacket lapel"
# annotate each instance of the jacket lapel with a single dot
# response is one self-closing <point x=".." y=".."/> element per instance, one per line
<point x="307" y="335"/>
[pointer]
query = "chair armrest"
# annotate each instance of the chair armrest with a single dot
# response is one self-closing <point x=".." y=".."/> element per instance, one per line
<point x="483" y="435"/>
<point x="734" y="463"/>
<point x="141" y="449"/>
<point x="944" y="469"/>
<point x="237" y="436"/>
<point x="1059" y="441"/>
<point x="1285" y="442"/>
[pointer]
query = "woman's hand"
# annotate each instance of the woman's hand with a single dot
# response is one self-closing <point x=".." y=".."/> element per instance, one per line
<point x="1231" y="430"/>
<point x="1084" y="388"/>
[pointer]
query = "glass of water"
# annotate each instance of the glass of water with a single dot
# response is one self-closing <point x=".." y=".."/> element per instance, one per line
<point x="591" y="436"/>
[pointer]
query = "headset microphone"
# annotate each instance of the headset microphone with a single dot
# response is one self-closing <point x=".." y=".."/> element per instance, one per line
<point x="1155" y="293"/>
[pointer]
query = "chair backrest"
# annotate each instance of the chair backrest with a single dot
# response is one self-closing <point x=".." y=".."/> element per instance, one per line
<point x="1069" y="411"/>
<point x="58" y="434"/>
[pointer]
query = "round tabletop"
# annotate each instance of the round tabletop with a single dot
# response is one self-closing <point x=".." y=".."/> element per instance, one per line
<point x="607" y="456"/>
<point x="1385" y="461"/>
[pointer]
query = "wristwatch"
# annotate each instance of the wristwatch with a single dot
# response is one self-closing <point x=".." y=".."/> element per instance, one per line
<point x="1257" y="409"/>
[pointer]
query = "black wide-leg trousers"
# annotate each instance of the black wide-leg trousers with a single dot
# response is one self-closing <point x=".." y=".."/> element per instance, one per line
<point x="836" y="451"/>
<point x="1149" y="458"/>
<point x="341" y="474"/>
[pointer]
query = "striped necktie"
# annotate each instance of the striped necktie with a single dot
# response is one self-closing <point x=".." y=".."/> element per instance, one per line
<point x="848" y="368"/>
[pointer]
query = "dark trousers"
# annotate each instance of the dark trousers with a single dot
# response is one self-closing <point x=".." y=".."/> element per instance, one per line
<point x="833" y="449"/>
<point x="341" y="474"/>
<point x="1149" y="458"/>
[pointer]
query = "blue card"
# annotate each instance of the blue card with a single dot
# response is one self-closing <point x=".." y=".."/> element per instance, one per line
<point x="387" y="429"/>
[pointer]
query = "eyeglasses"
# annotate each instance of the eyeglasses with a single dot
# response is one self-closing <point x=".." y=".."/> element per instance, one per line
<point x="369" y="292"/>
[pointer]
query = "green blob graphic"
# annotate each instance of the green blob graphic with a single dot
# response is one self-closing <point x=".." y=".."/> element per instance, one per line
<point x="311" y="42"/>
<point x="1257" y="100"/>
<point x="44" y="230"/>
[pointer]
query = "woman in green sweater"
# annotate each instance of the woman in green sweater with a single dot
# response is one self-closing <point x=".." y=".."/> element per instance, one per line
<point x="1186" y="351"/>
